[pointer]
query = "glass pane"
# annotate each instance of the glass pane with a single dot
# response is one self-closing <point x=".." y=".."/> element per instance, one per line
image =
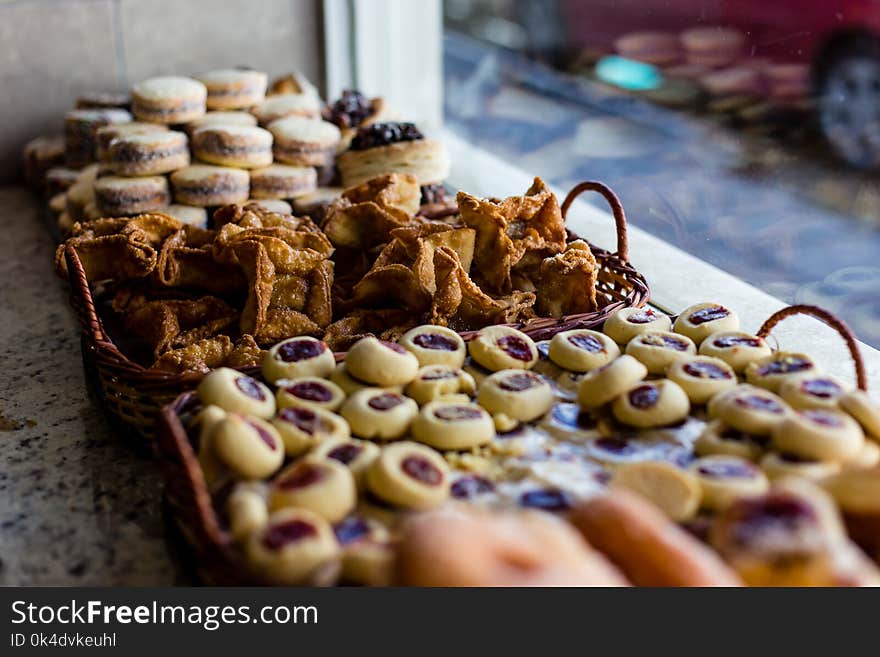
<point x="745" y="132"/>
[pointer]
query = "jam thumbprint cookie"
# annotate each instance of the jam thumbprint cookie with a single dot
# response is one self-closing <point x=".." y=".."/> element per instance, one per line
<point x="356" y="455"/>
<point x="726" y="478"/>
<point x="603" y="385"/>
<point x="410" y="476"/>
<point x="718" y="438"/>
<point x="658" y="350"/>
<point x="652" y="404"/>
<point x="297" y="357"/>
<point x="819" y="434"/>
<point x="248" y="446"/>
<point x="812" y="391"/>
<point x="581" y="350"/>
<point x="777" y="465"/>
<point x="380" y="414"/>
<point x="703" y="319"/>
<point x="381" y="363"/>
<point x="749" y="409"/>
<point x="324" y="487"/>
<point x="702" y="377"/>
<point x="235" y="392"/>
<point x="674" y="491"/>
<point x="627" y="323"/>
<point x="772" y="371"/>
<point x="303" y="427"/>
<point x="309" y="391"/>
<point x="523" y="396"/>
<point x="453" y="425"/>
<point x="246" y="508"/>
<point x="435" y="345"/>
<point x="735" y="348"/>
<point x="858" y="404"/>
<point x="437" y="381"/>
<point x="503" y="348"/>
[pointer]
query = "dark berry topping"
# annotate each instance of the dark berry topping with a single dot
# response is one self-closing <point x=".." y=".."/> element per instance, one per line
<point x="346" y="453"/>
<point x="421" y="469"/>
<point x="727" y="468"/>
<point x="664" y="341"/>
<point x="644" y="316"/>
<point x="350" y="530"/>
<point x="570" y="415"/>
<point x="280" y="535"/>
<point x="435" y="341"/>
<point x="470" y="486"/>
<point x="350" y="110"/>
<point x="302" y="476"/>
<point x="392" y="346"/>
<point x="759" y="403"/>
<point x="728" y="341"/>
<point x="822" y="388"/>
<point x="264" y="435"/>
<point x="520" y="381"/>
<point x="250" y="388"/>
<point x="785" y="365"/>
<point x="703" y="370"/>
<point x="821" y="417"/>
<point x="435" y="193"/>
<point x="708" y="314"/>
<point x="515" y="347"/>
<point x="587" y="342"/>
<point x="304" y="419"/>
<point x="455" y="413"/>
<point x="383" y="134"/>
<point x="297" y="350"/>
<point x="548" y="499"/>
<point x="385" y="401"/>
<point x="645" y="396"/>
<point x="310" y="391"/>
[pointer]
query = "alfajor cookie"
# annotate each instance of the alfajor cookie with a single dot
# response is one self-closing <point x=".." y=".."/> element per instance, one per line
<point x="188" y="214"/>
<point x="168" y="100"/>
<point x="735" y="348"/>
<point x="652" y="404"/>
<point x="148" y="154"/>
<point x="314" y="204"/>
<point x="280" y="181"/>
<point x="221" y="118"/>
<point x="108" y="133"/>
<point x="627" y="323"/>
<point x="81" y="133"/>
<point x="116" y="196"/>
<point x="273" y="205"/>
<point x="203" y="185"/>
<point x="230" y="89"/>
<point x="701" y="320"/>
<point x="247" y="147"/>
<point x="582" y="350"/>
<point x="303" y="141"/>
<point x="659" y="350"/>
<point x="281" y="106"/>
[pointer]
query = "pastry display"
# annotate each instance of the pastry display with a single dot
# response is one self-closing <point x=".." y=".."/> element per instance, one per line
<point x="148" y="153"/>
<point x="168" y="100"/>
<point x="233" y="89"/>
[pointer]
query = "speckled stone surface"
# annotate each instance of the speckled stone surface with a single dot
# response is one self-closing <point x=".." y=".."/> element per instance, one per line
<point x="78" y="506"/>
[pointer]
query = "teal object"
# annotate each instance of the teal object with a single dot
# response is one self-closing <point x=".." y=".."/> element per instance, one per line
<point x="628" y="73"/>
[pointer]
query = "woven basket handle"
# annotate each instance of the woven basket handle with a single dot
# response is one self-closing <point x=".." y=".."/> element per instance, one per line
<point x="616" y="210"/>
<point x="833" y="321"/>
<point x="76" y="275"/>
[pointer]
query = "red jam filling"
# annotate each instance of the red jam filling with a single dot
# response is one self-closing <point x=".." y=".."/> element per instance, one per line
<point x="350" y="530"/>
<point x="643" y="397"/>
<point x="645" y="316"/>
<point x="822" y="418"/>
<point x="520" y="381"/>
<point x="421" y="469"/>
<point x="304" y="419"/>
<point x="785" y="365"/>
<point x="392" y="346"/>
<point x="435" y="341"/>
<point x="304" y="475"/>
<point x="548" y="499"/>
<point x="587" y="342"/>
<point x="708" y="314"/>
<point x="310" y="391"/>
<point x="703" y="370"/>
<point x="470" y="486"/>
<point x="664" y="341"/>
<point x="759" y="403"/>
<point x="386" y="401"/>
<point x="297" y="350"/>
<point x="250" y="388"/>
<point x="455" y="413"/>
<point x="822" y="388"/>
<point x="515" y="347"/>
<point x="345" y="454"/>
<point x="282" y="534"/>
<point x="724" y="469"/>
<point x="728" y="341"/>
<point x="264" y="435"/>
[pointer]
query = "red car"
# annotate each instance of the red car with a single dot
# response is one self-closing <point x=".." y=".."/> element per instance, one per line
<point x="836" y="42"/>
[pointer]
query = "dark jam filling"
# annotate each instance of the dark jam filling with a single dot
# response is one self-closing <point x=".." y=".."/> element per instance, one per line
<point x="431" y="194"/>
<point x="470" y="486"/>
<point x="350" y="110"/>
<point x="437" y="375"/>
<point x="304" y="475"/>
<point x="771" y="514"/>
<point x="304" y="419"/>
<point x="549" y="499"/>
<point x="822" y="388"/>
<point x="435" y="341"/>
<point x="310" y="391"/>
<point x="297" y="350"/>
<point x="664" y="341"/>
<point x="345" y="454"/>
<point x="383" y="134"/>
<point x="519" y="382"/>
<point x="704" y="370"/>
<point x="709" y="314"/>
<point x="264" y="435"/>
<point x="350" y="530"/>
<point x="822" y="418"/>
<point x="422" y="470"/>
<point x="759" y="403"/>
<point x="728" y="341"/>
<point x="644" y="397"/>
<point x="456" y="413"/>
<point x="385" y="401"/>
<point x="785" y="365"/>
<point x="250" y="388"/>
<point x="587" y="342"/>
<point x="277" y="536"/>
<point x="570" y="415"/>
<point x="725" y="469"/>
<point x="645" y="316"/>
<point x="393" y="347"/>
<point x="515" y="347"/>
<point x="616" y="445"/>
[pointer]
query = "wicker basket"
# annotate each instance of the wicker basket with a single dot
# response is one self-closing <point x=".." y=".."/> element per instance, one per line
<point x="187" y="493"/>
<point x="133" y="394"/>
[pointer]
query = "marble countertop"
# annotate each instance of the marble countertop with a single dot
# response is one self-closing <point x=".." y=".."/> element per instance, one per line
<point x="77" y="505"/>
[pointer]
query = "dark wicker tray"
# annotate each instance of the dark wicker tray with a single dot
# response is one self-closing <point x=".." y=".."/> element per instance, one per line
<point x="133" y="394"/>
